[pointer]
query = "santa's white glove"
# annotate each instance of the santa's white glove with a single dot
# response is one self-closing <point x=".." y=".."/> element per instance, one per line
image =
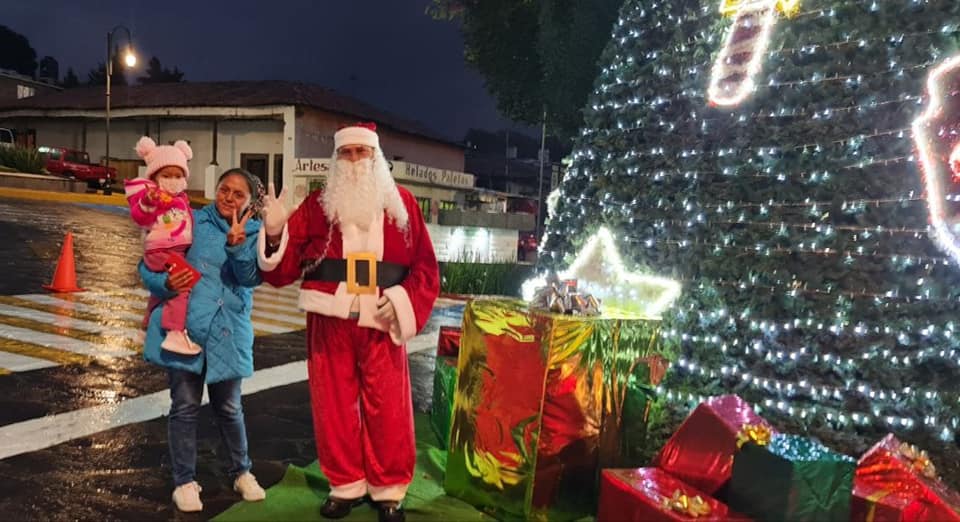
<point x="275" y="214"/>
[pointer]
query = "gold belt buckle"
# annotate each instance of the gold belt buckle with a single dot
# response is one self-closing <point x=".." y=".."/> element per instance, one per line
<point x="353" y="287"/>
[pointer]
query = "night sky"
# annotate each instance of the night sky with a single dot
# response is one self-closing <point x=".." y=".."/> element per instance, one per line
<point x="385" y="52"/>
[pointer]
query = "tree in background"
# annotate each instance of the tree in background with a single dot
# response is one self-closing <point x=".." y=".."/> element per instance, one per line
<point x="795" y="220"/>
<point x="16" y="53"/>
<point x="70" y="79"/>
<point x="535" y="55"/>
<point x="156" y="73"/>
<point x="98" y="75"/>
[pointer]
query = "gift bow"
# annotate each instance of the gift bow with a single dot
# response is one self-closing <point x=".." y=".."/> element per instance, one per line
<point x="759" y="434"/>
<point x="692" y="506"/>
<point x="919" y="460"/>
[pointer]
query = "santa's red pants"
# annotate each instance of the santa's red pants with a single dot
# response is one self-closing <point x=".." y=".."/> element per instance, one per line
<point x="362" y="409"/>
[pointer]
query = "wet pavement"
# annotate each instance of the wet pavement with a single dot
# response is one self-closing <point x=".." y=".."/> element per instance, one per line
<point x="78" y="357"/>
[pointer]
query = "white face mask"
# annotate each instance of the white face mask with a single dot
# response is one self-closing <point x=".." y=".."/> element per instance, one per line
<point x="173" y="185"/>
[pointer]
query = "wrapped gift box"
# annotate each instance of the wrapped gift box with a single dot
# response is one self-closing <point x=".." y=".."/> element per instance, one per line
<point x="701" y="451"/>
<point x="444" y="383"/>
<point x="448" y="344"/>
<point x="651" y="494"/>
<point x="791" y="478"/>
<point x="897" y="482"/>
<point x="539" y="407"/>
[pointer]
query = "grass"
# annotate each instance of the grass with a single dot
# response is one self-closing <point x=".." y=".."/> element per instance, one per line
<point x="21" y="159"/>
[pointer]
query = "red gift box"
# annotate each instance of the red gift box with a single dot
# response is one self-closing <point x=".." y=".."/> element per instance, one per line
<point x="448" y="344"/>
<point x="897" y="482"/>
<point x="701" y="451"/>
<point x="651" y="494"/>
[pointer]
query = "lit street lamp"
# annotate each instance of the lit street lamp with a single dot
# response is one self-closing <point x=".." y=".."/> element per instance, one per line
<point x="129" y="59"/>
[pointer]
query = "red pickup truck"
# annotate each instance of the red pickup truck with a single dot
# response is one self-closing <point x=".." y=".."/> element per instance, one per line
<point x="75" y="164"/>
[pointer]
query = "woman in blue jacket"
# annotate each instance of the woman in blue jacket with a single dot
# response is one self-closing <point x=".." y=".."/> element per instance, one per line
<point x="224" y="251"/>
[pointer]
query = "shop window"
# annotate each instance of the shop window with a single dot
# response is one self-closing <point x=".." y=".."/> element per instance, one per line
<point x="448" y="205"/>
<point x="424" y="208"/>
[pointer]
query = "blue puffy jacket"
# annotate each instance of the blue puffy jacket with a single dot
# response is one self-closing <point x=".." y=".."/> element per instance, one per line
<point x="218" y="315"/>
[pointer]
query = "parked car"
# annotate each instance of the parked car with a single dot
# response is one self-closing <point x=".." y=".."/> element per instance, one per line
<point x="6" y="137"/>
<point x="75" y="164"/>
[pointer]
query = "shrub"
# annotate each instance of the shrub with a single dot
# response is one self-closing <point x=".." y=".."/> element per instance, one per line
<point x="21" y="159"/>
<point x="484" y="278"/>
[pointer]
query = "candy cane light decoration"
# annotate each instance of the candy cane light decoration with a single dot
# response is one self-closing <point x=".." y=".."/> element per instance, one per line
<point x="937" y="168"/>
<point x="745" y="44"/>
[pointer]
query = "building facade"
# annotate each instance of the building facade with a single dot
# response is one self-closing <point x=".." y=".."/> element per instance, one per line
<point x="280" y="131"/>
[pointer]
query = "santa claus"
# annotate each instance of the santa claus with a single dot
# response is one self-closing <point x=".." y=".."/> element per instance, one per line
<point x="370" y="279"/>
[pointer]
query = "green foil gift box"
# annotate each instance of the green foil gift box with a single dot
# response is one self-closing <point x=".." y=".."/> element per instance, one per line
<point x="791" y="478"/>
<point x="539" y="406"/>
<point x="444" y="382"/>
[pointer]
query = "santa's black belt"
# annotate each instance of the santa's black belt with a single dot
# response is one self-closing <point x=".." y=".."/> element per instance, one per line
<point x="336" y="270"/>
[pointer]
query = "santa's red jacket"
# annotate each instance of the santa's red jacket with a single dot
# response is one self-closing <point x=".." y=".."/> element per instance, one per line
<point x="309" y="236"/>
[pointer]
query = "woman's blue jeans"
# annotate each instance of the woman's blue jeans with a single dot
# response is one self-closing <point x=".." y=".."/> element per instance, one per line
<point x="186" y="392"/>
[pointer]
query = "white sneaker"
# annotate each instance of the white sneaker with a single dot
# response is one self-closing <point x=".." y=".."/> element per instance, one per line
<point x="247" y="486"/>
<point x="187" y="497"/>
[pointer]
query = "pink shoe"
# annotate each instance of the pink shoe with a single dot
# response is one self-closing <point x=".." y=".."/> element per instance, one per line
<point x="179" y="342"/>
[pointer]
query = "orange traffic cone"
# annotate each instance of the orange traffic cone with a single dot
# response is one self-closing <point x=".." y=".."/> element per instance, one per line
<point x="65" y="277"/>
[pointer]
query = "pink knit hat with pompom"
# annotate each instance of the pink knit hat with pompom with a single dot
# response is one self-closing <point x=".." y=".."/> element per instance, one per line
<point x="157" y="157"/>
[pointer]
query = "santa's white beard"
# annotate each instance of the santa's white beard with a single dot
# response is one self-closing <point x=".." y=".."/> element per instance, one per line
<point x="357" y="191"/>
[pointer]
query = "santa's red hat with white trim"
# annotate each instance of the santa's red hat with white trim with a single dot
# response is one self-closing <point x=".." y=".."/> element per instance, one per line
<point x="357" y="134"/>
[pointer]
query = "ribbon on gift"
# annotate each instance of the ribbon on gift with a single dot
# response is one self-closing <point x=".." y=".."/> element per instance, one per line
<point x="919" y="460"/>
<point x="873" y="498"/>
<point x="758" y="434"/>
<point x="693" y="506"/>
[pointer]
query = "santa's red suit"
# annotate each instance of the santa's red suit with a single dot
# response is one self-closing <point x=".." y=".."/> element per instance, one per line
<point x="359" y="380"/>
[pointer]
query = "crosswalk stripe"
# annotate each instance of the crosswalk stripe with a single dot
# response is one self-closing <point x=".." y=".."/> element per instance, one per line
<point x="115" y="302"/>
<point x="110" y="339"/>
<point x="13" y="362"/>
<point x="274" y="300"/>
<point x="287" y="310"/>
<point x="293" y="321"/>
<point x="61" y="321"/>
<point x="62" y="343"/>
<point x="36" y="351"/>
<point x="289" y="290"/>
<point x="67" y="308"/>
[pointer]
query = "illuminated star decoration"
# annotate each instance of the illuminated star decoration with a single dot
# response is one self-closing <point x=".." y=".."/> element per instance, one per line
<point x="745" y="45"/>
<point x="935" y="170"/>
<point x="600" y="272"/>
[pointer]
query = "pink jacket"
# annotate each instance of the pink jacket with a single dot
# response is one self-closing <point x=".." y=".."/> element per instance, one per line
<point x="168" y="223"/>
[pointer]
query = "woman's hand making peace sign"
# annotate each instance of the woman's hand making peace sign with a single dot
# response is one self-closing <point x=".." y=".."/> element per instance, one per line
<point x="236" y="234"/>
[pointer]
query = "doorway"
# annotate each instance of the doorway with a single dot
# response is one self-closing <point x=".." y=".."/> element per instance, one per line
<point x="256" y="164"/>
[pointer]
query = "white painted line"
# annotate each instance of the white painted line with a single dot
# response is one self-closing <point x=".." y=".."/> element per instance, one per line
<point x="21" y="363"/>
<point x="142" y="292"/>
<point x="107" y="314"/>
<point x="44" y="432"/>
<point x="300" y="318"/>
<point x="68" y="322"/>
<point x="59" y="342"/>
<point x="282" y="309"/>
<point x="121" y="300"/>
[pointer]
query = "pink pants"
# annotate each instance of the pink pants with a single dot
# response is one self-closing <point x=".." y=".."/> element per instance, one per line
<point x="174" y="316"/>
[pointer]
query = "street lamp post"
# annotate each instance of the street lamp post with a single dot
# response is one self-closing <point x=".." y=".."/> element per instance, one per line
<point x="129" y="60"/>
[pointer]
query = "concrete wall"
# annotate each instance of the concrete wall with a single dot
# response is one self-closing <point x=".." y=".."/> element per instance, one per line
<point x="236" y="137"/>
<point x="314" y="139"/>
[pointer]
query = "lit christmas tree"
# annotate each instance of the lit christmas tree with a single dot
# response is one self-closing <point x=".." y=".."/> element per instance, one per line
<point x="762" y="154"/>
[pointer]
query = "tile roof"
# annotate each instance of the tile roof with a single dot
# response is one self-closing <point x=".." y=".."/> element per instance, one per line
<point x="221" y="94"/>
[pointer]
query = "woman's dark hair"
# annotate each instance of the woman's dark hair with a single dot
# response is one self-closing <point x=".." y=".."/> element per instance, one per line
<point x="257" y="191"/>
<point x="253" y="182"/>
